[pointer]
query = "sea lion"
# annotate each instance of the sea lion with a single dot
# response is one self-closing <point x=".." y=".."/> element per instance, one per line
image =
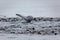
<point x="28" y="18"/>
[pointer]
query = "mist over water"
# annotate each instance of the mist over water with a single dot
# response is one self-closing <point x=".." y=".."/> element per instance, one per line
<point x="40" y="8"/>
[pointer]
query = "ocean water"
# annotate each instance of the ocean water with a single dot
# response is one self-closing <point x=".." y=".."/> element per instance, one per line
<point x="27" y="36"/>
